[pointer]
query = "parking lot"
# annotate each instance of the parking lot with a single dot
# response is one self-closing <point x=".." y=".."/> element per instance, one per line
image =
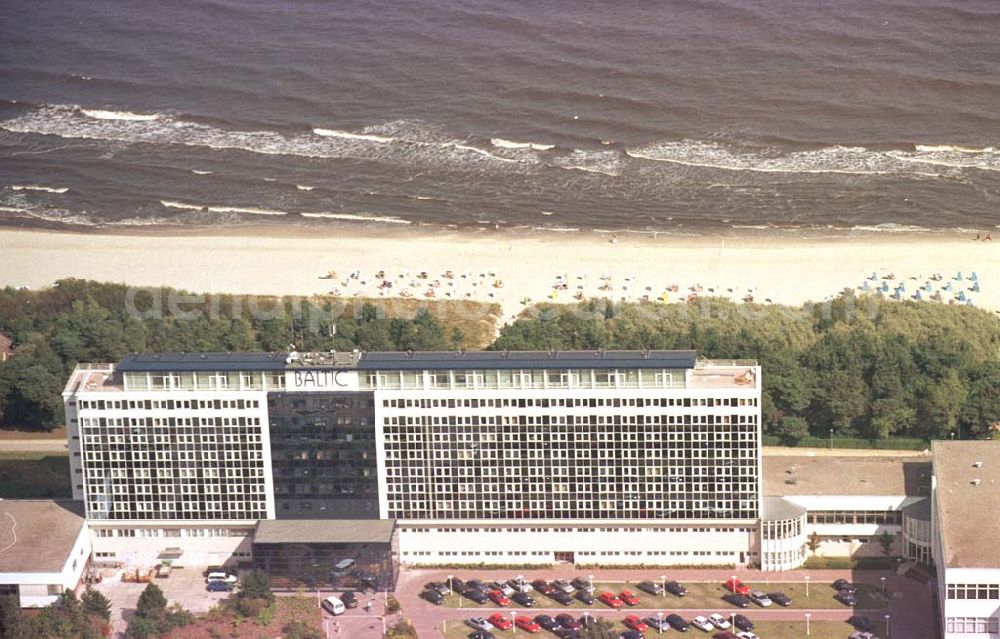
<point x="908" y="603"/>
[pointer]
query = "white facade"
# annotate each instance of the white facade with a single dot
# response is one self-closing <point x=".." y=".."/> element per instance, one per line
<point x="39" y="589"/>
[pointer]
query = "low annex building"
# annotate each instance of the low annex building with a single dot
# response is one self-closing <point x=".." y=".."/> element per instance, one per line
<point x="44" y="549"/>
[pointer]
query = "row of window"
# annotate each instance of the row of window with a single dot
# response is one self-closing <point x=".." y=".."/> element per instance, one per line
<point x="572" y="402"/>
<point x="979" y="625"/>
<point x="167" y="404"/>
<point x="205" y="380"/>
<point x="193" y="533"/>
<point x="855" y="517"/>
<point x="525" y="378"/>
<point x="581" y="529"/>
<point x="974" y="591"/>
<point x="508" y="422"/>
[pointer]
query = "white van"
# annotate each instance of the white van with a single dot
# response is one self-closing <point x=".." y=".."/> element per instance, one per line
<point x="343" y="567"/>
<point x="333" y="605"/>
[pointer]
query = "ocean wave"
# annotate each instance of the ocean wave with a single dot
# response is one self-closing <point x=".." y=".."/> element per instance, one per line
<point x="607" y="163"/>
<point x="932" y="148"/>
<point x="197" y="172"/>
<point x="35" y="187"/>
<point x="100" y="114"/>
<point x="889" y="227"/>
<point x="303" y="187"/>
<point x="357" y="217"/>
<point x="508" y="144"/>
<point x="170" y="204"/>
<point x="332" y="133"/>
<point x="955" y="157"/>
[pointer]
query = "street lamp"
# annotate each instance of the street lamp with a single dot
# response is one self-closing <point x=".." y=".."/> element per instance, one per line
<point x="807" y="585"/>
<point x="831" y="439"/>
<point x="513" y="620"/>
<point x="450" y="587"/>
<point x="887" y="627"/>
<point x="659" y="625"/>
<point x="883" y="586"/>
<point x="807" y="622"/>
<point x="663" y="583"/>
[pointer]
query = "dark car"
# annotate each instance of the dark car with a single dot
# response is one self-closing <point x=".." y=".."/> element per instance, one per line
<point x="652" y="587"/>
<point x="582" y="584"/>
<point x="523" y="599"/>
<point x="477" y="596"/>
<point x="842" y="585"/>
<point x="546" y="622"/>
<point x="587" y="620"/>
<point x="846" y="598"/>
<point x="350" y="599"/>
<point x="676" y="589"/>
<point x="657" y="623"/>
<point x="737" y="600"/>
<point x="677" y="622"/>
<point x="437" y="586"/>
<point x="561" y="597"/>
<point x="780" y="598"/>
<point x="631" y="634"/>
<point x="566" y="633"/>
<point x="567" y="621"/>
<point x="218" y="586"/>
<point x="456" y="584"/>
<point x="482" y="634"/>
<point x="860" y="622"/>
<point x="725" y="634"/>
<point x="433" y="596"/>
<point x="742" y="622"/>
<point x="475" y="583"/>
<point x="543" y="586"/>
<point x="586" y="597"/>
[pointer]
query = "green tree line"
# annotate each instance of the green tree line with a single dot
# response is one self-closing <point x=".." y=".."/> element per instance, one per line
<point x="859" y="366"/>
<point x="83" y="321"/>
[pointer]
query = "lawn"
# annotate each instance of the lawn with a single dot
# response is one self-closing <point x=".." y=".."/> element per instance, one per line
<point x="34" y="476"/>
<point x="708" y="596"/>
<point x="766" y="629"/>
<point x="222" y="623"/>
<point x="55" y="433"/>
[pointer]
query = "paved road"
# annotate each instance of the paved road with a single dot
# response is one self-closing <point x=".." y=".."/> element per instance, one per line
<point x="33" y="446"/>
<point x="910" y="607"/>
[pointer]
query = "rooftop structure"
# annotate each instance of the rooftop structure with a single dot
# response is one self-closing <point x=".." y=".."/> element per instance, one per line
<point x="320" y="531"/>
<point x="967" y="485"/>
<point x="24" y="522"/>
<point x="824" y="475"/>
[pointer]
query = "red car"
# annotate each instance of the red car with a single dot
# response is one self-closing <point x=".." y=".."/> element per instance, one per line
<point x="610" y="599"/>
<point x="735" y="585"/>
<point x="528" y="624"/>
<point x="498" y="598"/>
<point x="628" y="597"/>
<point x="500" y="622"/>
<point x="635" y="623"/>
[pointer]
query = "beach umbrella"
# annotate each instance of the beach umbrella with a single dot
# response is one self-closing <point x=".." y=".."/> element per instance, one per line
<point x="896" y="295"/>
<point x="961" y="296"/>
<point x="959" y="276"/>
<point x="885" y="287"/>
<point x="974" y="277"/>
<point x="975" y="287"/>
<point x="902" y="288"/>
<point x="947" y="287"/>
<point x="873" y="276"/>
<point x="928" y="287"/>
<point x="865" y="287"/>
<point x="918" y="296"/>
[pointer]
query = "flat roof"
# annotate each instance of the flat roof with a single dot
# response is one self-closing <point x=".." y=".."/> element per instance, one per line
<point x="407" y="360"/>
<point x="324" y="531"/>
<point x="38" y="535"/>
<point x="831" y="475"/>
<point x="968" y="499"/>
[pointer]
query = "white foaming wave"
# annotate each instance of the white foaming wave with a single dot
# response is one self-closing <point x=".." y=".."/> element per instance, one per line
<point x="602" y="162"/>
<point x="100" y="114"/>
<point x="197" y="172"/>
<point x="547" y="213"/>
<point x="333" y="133"/>
<point x="221" y="209"/>
<point x="35" y="187"/>
<point x="358" y="217"/>
<point x="13" y="209"/>
<point x="889" y="227"/>
<point x="956" y="157"/>
<point x="556" y="229"/>
<point x="956" y="148"/>
<point x="509" y="144"/>
<point x="415" y="143"/>
<point x="303" y="187"/>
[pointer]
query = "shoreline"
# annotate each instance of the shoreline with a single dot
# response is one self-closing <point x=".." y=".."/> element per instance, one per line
<point x="504" y="267"/>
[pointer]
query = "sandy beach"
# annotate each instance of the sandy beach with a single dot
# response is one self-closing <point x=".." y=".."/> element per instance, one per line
<point x="507" y="268"/>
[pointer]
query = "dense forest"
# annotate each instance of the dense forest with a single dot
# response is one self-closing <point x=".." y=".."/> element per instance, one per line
<point x="861" y="367"/>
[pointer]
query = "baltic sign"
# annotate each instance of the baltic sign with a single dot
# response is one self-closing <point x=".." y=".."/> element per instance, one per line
<point x="321" y="380"/>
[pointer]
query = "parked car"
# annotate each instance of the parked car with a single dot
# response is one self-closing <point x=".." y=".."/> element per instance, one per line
<point x="652" y="587"/>
<point x="582" y="584"/>
<point x="746" y="634"/>
<point x="566" y="633"/>
<point x="719" y="621"/>
<point x="334" y="606"/>
<point x="676" y="589"/>
<point x="677" y="622"/>
<point x="842" y="585"/>
<point x="543" y="587"/>
<point x="635" y="623"/>
<point x="349" y="598"/>
<point x="503" y="587"/>
<point x="759" y="598"/>
<point x="218" y="586"/>
<point x="780" y="598"/>
<point x="702" y="623"/>
<point x="565" y="586"/>
<point x="500" y="621"/>
<point x="433" y="596"/>
<point x="846" y="598"/>
<point x="438" y="587"/>
<point x="724" y="635"/>
<point x="482" y="634"/>
<point x="860" y="622"/>
<point x="498" y="598"/>
<point x="737" y="600"/>
<point x="476" y="584"/>
<point x="742" y="622"/>
<point x="587" y="620"/>
<point x="610" y="599"/>
<point x="736" y="586"/>
<point x="343" y="567"/>
<point x="475" y="595"/>
<point x="221" y="576"/>
<point x="586" y="597"/>
<point x="456" y="584"/>
<point x="659" y="623"/>
<point x="567" y="621"/>
<point x="630" y="634"/>
<point x="547" y="622"/>
<point x="527" y="624"/>
<point x="861" y="634"/>
<point x="561" y="597"/>
<point x="479" y="623"/>
<point x="523" y="599"/>
<point x="519" y="585"/>
<point x="629" y="598"/>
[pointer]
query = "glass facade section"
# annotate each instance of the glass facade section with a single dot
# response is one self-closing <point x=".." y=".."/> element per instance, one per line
<point x="323" y="455"/>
